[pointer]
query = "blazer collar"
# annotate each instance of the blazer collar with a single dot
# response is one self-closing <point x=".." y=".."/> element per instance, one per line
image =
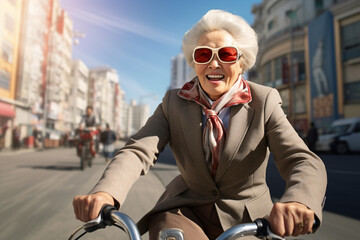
<point x="240" y="120"/>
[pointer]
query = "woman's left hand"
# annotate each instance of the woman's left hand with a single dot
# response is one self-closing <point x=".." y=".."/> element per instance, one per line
<point x="291" y="219"/>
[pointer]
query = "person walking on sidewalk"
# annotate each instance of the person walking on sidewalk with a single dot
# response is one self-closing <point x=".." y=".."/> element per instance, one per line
<point x="37" y="138"/>
<point x="221" y="130"/>
<point x="312" y="137"/>
<point x="108" y="138"/>
<point x="16" y="138"/>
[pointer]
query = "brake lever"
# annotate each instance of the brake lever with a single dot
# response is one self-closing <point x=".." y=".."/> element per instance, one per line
<point x="273" y="235"/>
<point x="94" y="224"/>
<point x="101" y="221"/>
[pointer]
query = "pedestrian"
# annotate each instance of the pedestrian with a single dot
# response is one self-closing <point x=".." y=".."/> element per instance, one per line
<point x="16" y="138"/>
<point x="221" y="129"/>
<point x="37" y="138"/>
<point x="108" y="138"/>
<point x="3" y="130"/>
<point x="312" y="137"/>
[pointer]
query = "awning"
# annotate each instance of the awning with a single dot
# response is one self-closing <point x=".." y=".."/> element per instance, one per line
<point x="6" y="110"/>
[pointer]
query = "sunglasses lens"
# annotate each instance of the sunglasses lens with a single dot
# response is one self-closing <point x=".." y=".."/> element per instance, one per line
<point x="228" y="54"/>
<point x="202" y="55"/>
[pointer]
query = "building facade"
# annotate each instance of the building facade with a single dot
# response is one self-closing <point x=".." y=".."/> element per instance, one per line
<point x="135" y="117"/>
<point x="59" y="62"/>
<point x="79" y="92"/>
<point x="347" y="52"/>
<point x="297" y="56"/>
<point x="102" y="94"/>
<point x="10" y="25"/>
<point x="181" y="72"/>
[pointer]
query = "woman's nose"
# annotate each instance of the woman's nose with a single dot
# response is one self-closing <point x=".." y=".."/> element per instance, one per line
<point x="214" y="63"/>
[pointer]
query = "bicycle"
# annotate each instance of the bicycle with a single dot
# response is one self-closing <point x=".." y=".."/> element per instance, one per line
<point x="85" y="147"/>
<point x="110" y="216"/>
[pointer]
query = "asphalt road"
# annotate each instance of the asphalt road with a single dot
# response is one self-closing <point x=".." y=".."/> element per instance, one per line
<point x="37" y="188"/>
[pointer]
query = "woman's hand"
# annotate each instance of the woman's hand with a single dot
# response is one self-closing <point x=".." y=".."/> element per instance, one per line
<point x="87" y="207"/>
<point x="291" y="219"/>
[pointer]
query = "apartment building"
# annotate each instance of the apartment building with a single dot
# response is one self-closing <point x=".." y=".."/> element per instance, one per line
<point x="10" y="24"/>
<point x="79" y="92"/>
<point x="297" y="44"/>
<point x="181" y="72"/>
<point x="101" y="94"/>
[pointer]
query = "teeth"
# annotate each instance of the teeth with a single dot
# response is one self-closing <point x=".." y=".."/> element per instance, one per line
<point x="215" y="76"/>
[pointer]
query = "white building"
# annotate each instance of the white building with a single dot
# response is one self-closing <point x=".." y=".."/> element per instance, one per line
<point x="30" y="75"/>
<point x="181" y="72"/>
<point x="274" y="17"/>
<point x="79" y="92"/>
<point x="119" y="111"/>
<point x="102" y="94"/>
<point x="141" y="113"/>
<point x="135" y="117"/>
<point x="58" y="83"/>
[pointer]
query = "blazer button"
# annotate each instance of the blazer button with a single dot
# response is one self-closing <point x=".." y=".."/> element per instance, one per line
<point x="215" y="193"/>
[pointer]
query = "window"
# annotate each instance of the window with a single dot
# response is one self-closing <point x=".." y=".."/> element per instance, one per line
<point x="281" y="70"/>
<point x="299" y="66"/>
<point x="271" y="25"/>
<point x="4" y="79"/>
<point x="277" y="68"/>
<point x="267" y="75"/>
<point x="350" y="41"/>
<point x="9" y="23"/>
<point x="7" y="51"/>
<point x="285" y="70"/>
<point x="352" y="92"/>
<point x="319" y="6"/>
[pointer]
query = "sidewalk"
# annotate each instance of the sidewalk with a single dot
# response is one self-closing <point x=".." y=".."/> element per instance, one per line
<point x="10" y="151"/>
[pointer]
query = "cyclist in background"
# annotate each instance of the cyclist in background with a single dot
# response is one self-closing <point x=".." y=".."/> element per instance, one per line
<point x="88" y="122"/>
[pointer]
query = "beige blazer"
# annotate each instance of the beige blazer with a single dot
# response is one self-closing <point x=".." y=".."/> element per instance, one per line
<point x="239" y="190"/>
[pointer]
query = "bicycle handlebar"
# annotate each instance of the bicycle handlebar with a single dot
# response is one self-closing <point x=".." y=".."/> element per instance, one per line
<point x="109" y="216"/>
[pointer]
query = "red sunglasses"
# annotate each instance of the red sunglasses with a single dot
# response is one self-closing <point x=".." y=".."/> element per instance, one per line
<point x="228" y="54"/>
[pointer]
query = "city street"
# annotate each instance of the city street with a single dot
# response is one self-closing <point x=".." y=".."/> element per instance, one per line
<point x="37" y="188"/>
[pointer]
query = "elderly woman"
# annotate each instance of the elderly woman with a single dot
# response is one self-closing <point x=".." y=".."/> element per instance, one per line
<point x="221" y="130"/>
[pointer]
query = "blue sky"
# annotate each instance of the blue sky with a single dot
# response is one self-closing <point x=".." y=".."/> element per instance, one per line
<point x="138" y="38"/>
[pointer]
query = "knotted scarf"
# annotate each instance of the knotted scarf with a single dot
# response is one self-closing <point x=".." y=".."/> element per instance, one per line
<point x="214" y="133"/>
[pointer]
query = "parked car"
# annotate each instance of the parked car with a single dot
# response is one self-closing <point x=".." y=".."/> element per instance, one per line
<point x="342" y="137"/>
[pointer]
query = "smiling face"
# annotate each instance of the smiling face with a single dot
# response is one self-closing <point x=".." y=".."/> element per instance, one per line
<point x="216" y="78"/>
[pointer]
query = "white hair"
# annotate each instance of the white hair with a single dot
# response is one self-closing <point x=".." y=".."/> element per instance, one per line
<point x="213" y="20"/>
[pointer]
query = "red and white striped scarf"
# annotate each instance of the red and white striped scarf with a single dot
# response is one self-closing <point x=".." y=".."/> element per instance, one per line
<point x="214" y="134"/>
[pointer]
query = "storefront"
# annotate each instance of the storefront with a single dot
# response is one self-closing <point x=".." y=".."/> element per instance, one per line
<point x="7" y="114"/>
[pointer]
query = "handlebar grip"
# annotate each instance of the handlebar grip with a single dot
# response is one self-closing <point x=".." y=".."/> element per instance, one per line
<point x="316" y="224"/>
<point x="106" y="214"/>
<point x="262" y="227"/>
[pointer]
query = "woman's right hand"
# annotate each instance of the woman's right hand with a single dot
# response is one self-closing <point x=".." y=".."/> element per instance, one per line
<point x="87" y="207"/>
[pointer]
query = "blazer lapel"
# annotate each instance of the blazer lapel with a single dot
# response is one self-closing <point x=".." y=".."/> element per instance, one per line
<point x="191" y="123"/>
<point x="240" y="120"/>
